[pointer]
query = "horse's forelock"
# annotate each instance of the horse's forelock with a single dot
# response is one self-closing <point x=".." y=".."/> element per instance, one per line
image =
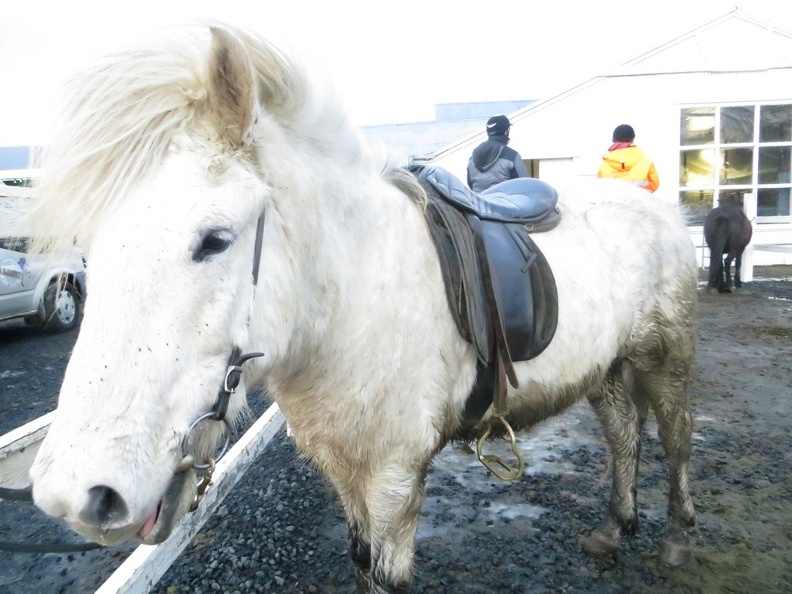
<point x="118" y="119"/>
<point x="121" y="116"/>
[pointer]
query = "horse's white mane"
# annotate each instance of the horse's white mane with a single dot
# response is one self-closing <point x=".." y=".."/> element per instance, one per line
<point x="121" y="115"/>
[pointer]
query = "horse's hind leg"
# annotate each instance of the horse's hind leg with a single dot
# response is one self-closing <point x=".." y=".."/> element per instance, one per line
<point x="727" y="284"/>
<point x="668" y="393"/>
<point x="622" y="420"/>
<point x="715" y="271"/>
<point x="737" y="267"/>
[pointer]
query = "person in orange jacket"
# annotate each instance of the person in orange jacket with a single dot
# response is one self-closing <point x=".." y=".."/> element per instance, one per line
<point x="626" y="161"/>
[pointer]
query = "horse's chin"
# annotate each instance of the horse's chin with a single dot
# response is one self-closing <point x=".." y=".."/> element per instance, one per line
<point x="176" y="502"/>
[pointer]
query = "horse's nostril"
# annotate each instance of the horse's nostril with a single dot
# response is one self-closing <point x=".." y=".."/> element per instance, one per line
<point x="105" y="506"/>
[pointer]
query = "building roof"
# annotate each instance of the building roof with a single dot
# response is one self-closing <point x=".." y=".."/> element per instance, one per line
<point x="733" y="42"/>
<point x="403" y="141"/>
<point x="453" y="120"/>
<point x="15" y="162"/>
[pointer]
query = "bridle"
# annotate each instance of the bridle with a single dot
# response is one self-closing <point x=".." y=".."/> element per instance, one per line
<point x="206" y="467"/>
<point x="203" y="470"/>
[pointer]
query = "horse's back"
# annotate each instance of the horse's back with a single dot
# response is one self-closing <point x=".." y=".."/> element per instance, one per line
<point x="727" y="229"/>
<point x="622" y="260"/>
<point x="625" y="226"/>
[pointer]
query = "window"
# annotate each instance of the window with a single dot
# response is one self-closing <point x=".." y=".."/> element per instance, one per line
<point x="532" y="165"/>
<point x="733" y="150"/>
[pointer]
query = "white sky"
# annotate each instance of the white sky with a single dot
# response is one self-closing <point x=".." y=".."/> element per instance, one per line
<point x="391" y="61"/>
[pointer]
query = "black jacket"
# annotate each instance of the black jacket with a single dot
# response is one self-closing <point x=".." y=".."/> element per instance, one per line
<point x="493" y="162"/>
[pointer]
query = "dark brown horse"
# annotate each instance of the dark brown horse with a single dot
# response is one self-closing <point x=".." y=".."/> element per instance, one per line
<point x="727" y="232"/>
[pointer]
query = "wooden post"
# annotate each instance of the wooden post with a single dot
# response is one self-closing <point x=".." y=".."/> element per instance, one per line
<point x="18" y="448"/>
<point x="749" y="207"/>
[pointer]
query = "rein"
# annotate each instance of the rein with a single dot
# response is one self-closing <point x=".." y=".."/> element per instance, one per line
<point x="19" y="547"/>
<point x="203" y="470"/>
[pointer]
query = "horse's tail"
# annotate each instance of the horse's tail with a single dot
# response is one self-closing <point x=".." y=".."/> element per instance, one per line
<point x="717" y="236"/>
<point x="745" y="233"/>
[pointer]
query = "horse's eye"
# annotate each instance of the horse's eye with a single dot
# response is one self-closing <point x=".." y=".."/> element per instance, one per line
<point x="212" y="242"/>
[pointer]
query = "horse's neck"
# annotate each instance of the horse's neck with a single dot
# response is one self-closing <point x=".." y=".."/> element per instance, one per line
<point x="355" y="248"/>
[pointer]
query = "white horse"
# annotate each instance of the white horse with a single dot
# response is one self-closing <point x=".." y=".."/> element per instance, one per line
<point x="176" y="163"/>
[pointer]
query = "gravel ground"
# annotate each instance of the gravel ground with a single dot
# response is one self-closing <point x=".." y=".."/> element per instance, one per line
<point x="282" y="529"/>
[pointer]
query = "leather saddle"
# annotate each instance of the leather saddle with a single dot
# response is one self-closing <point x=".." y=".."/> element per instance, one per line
<point x="500" y="288"/>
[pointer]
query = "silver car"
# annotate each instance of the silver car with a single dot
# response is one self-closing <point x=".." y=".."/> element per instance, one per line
<point x="43" y="290"/>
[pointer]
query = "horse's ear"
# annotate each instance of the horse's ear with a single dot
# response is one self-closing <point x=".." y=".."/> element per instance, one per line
<point x="232" y="88"/>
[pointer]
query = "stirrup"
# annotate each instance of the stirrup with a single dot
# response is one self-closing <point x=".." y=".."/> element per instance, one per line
<point x="490" y="461"/>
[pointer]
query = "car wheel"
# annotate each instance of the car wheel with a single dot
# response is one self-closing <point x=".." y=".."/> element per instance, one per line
<point x="62" y="307"/>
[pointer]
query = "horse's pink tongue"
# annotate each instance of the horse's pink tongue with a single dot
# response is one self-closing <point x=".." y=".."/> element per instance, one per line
<point x="145" y="530"/>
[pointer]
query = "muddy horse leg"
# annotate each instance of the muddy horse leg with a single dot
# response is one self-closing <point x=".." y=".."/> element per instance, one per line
<point x="354" y="504"/>
<point x="395" y="497"/>
<point x="622" y="422"/>
<point x="382" y="523"/>
<point x="668" y="394"/>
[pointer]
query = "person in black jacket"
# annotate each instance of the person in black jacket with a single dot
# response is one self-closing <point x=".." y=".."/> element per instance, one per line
<point x="492" y="161"/>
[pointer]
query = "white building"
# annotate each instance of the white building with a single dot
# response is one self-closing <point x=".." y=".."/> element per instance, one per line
<point x="713" y="108"/>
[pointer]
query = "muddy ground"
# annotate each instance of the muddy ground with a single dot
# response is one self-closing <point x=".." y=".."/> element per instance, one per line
<point x="282" y="529"/>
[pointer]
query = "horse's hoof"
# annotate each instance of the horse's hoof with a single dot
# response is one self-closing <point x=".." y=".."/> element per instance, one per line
<point x="675" y="551"/>
<point x="600" y="544"/>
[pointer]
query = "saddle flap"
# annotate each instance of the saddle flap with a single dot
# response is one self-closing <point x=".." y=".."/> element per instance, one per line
<point x="524" y="289"/>
<point x="499" y="287"/>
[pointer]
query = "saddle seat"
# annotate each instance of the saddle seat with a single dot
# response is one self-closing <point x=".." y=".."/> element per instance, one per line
<point x="499" y="286"/>
<point x="523" y="200"/>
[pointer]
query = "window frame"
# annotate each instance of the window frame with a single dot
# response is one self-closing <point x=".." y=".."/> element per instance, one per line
<point x="716" y="186"/>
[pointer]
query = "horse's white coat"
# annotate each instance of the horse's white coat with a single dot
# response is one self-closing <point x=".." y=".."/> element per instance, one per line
<point x="361" y="351"/>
